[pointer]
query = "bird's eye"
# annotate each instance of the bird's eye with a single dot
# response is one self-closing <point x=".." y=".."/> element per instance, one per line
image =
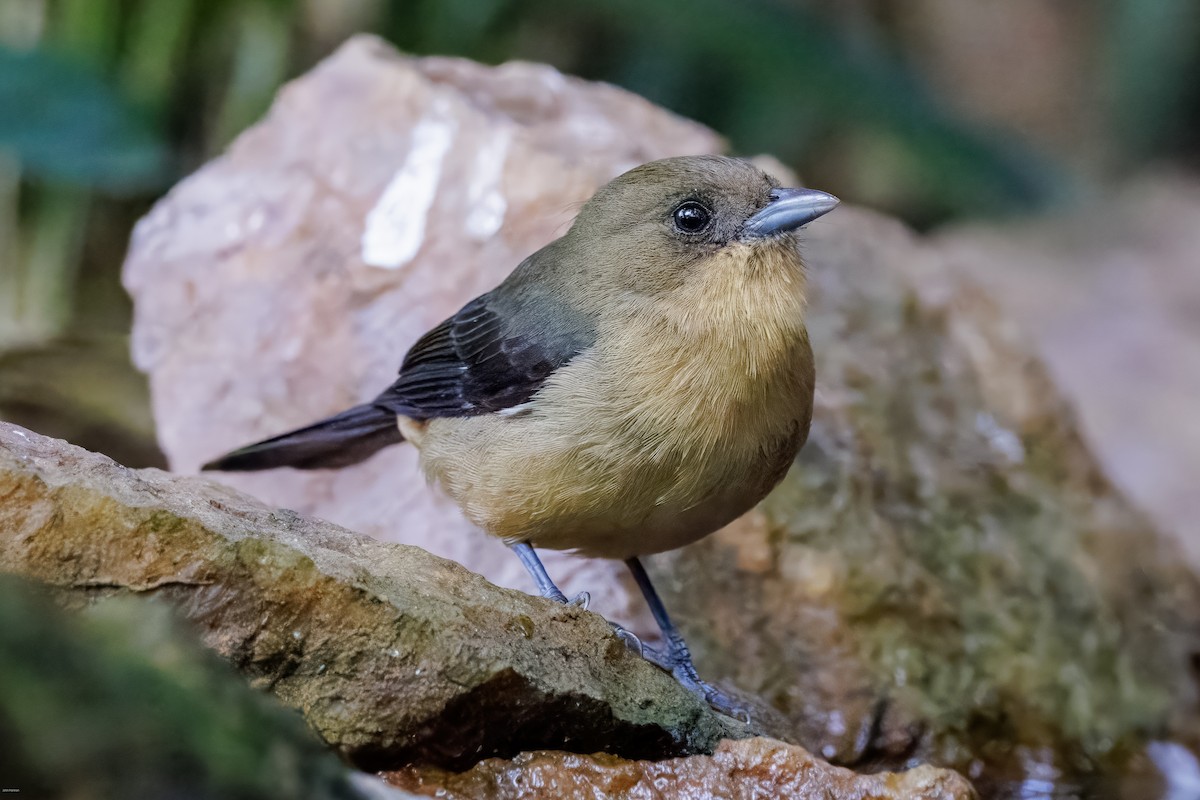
<point x="691" y="217"/>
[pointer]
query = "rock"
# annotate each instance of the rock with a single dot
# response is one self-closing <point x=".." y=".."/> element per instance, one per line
<point x="946" y="574"/>
<point x="394" y="656"/>
<point x="121" y="702"/>
<point x="750" y="768"/>
<point x="1127" y="350"/>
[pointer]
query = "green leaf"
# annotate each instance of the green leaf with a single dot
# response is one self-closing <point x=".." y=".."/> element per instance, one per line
<point x="66" y="123"/>
<point x="1151" y="48"/>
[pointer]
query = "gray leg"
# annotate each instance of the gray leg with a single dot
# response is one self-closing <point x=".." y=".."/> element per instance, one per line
<point x="550" y="591"/>
<point x="533" y="565"/>
<point x="545" y="585"/>
<point x="678" y="659"/>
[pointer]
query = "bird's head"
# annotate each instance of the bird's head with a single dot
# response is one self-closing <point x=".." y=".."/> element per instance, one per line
<point x="654" y="227"/>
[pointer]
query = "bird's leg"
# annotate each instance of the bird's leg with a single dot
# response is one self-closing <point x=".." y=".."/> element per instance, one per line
<point x="550" y="591"/>
<point x="537" y="571"/>
<point x="678" y="659"/>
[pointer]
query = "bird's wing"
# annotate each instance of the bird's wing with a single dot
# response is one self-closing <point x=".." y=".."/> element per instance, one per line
<point x="481" y="360"/>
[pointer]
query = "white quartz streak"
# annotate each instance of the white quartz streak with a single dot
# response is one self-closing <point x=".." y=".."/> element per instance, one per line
<point x="395" y="226"/>
<point x="484" y="195"/>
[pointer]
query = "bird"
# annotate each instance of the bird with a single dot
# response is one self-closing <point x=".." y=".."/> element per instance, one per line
<point x="629" y="388"/>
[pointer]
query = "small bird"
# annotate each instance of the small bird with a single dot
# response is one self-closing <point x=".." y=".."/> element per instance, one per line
<point x="630" y="388"/>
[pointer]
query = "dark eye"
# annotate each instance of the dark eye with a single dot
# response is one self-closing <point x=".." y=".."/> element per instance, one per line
<point x="691" y="217"/>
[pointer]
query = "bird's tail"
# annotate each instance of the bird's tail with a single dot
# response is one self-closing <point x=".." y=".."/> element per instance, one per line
<point x="342" y="440"/>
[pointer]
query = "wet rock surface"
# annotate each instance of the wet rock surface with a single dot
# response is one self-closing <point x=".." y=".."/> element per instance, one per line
<point x="946" y="574"/>
<point x="749" y="768"/>
<point x="393" y="656"/>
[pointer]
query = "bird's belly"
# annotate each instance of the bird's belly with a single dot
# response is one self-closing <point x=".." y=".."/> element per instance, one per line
<point x="682" y="439"/>
<point x="645" y="530"/>
<point x="598" y="493"/>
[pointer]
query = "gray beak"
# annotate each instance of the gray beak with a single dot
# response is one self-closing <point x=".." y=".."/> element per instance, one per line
<point x="787" y="211"/>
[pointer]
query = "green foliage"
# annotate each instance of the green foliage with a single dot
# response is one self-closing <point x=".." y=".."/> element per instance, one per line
<point x="66" y="123"/>
<point x="1152" y="56"/>
<point x="786" y="80"/>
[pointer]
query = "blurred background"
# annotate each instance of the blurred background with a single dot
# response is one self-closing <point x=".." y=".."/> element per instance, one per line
<point x="946" y="114"/>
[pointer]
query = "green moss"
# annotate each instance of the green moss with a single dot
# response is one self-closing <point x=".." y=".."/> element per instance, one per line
<point x="121" y="703"/>
<point x="979" y="608"/>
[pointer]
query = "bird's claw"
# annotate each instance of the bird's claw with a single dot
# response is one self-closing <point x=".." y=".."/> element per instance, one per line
<point x="630" y="639"/>
<point x="685" y="673"/>
<point x="724" y="704"/>
<point x="581" y="600"/>
<point x="716" y="699"/>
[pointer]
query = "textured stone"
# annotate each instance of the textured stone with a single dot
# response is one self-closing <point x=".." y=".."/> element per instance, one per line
<point x="394" y="656"/>
<point x="945" y="574"/>
<point x="738" y="770"/>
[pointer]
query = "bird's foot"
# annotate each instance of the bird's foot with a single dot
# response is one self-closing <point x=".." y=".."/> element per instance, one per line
<point x="678" y="661"/>
<point x="716" y="699"/>
<point x="581" y="600"/>
<point x="630" y="639"/>
<point x="553" y="593"/>
<point x="546" y="586"/>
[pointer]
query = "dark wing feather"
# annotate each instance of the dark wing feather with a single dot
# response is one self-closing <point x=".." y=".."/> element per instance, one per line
<point x="495" y="353"/>
<point x="479" y="361"/>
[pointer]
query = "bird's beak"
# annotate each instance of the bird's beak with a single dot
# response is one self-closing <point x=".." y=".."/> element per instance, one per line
<point x="787" y="211"/>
